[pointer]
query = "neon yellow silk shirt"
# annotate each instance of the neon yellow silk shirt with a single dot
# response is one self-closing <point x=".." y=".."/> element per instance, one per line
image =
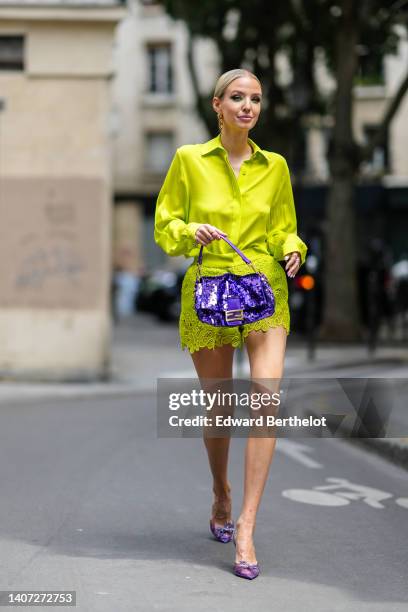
<point x="255" y="210"/>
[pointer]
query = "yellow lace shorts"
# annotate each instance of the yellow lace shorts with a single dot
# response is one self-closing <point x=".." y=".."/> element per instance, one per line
<point x="194" y="334"/>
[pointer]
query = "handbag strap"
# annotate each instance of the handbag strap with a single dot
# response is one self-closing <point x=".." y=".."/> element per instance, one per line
<point x="240" y="253"/>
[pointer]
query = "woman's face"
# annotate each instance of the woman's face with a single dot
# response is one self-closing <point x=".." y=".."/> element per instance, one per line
<point x="241" y="103"/>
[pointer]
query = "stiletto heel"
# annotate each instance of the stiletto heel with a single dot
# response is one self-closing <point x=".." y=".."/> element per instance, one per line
<point x="243" y="569"/>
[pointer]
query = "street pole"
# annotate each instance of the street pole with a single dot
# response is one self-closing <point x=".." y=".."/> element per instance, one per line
<point x="240" y="362"/>
<point x="2" y="108"/>
<point x="311" y="323"/>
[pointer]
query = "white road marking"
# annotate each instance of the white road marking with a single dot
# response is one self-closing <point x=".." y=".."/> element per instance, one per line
<point x="402" y="501"/>
<point x="372" y="497"/>
<point x="320" y="496"/>
<point x="297" y="452"/>
<point x="316" y="498"/>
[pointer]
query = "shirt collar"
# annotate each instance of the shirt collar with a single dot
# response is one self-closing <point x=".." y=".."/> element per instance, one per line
<point x="215" y="143"/>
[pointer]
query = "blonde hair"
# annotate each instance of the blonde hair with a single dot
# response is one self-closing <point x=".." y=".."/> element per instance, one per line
<point x="227" y="78"/>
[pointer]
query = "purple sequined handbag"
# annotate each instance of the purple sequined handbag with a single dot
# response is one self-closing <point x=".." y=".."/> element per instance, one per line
<point x="230" y="299"/>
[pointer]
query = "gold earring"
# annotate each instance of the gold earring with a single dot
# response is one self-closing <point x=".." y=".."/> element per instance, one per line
<point x="220" y="121"/>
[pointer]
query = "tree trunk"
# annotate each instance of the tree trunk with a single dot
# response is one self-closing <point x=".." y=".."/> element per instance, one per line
<point x="341" y="314"/>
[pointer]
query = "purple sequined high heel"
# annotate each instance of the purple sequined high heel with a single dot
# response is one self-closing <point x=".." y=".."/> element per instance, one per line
<point x="222" y="534"/>
<point x="243" y="569"/>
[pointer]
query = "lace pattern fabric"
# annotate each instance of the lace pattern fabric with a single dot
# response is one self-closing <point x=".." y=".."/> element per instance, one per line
<point x="194" y="334"/>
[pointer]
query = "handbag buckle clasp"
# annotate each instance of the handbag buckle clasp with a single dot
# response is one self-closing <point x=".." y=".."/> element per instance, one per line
<point x="236" y="314"/>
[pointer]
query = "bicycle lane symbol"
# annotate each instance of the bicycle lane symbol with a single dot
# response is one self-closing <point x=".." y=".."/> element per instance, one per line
<point x="342" y="493"/>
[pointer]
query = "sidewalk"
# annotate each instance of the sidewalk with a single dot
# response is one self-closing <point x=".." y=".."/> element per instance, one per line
<point x="144" y="350"/>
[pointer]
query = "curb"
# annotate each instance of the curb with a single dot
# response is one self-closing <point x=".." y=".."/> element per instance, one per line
<point x="36" y="393"/>
<point x="392" y="449"/>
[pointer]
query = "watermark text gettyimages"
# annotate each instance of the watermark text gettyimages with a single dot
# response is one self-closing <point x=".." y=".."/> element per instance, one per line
<point x="293" y="407"/>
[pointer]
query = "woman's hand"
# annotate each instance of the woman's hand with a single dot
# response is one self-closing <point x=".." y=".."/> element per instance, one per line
<point x="292" y="263"/>
<point x="206" y="233"/>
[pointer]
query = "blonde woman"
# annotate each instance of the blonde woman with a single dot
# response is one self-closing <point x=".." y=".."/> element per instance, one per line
<point x="229" y="186"/>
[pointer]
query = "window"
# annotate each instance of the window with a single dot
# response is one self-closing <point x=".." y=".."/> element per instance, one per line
<point x="370" y="69"/>
<point x="299" y="160"/>
<point x="379" y="161"/>
<point x="326" y="134"/>
<point x="160" y="71"/>
<point x="159" y="151"/>
<point x="11" y="52"/>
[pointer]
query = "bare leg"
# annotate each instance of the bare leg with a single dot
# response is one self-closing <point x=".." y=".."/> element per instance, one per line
<point x="266" y="352"/>
<point x="217" y="363"/>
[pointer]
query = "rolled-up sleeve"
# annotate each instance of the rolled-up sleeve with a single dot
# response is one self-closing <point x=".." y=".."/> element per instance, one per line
<point x="172" y="232"/>
<point x="282" y="235"/>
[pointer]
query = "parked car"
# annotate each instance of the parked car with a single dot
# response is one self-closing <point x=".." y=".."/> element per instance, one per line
<point x="376" y="295"/>
<point x="399" y="276"/>
<point x="306" y="289"/>
<point x="305" y="296"/>
<point x="160" y="293"/>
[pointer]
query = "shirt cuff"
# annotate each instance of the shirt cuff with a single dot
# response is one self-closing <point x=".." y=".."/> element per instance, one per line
<point x="294" y="243"/>
<point x="191" y="229"/>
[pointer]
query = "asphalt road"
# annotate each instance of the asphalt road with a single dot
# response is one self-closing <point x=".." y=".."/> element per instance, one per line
<point x="93" y="501"/>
